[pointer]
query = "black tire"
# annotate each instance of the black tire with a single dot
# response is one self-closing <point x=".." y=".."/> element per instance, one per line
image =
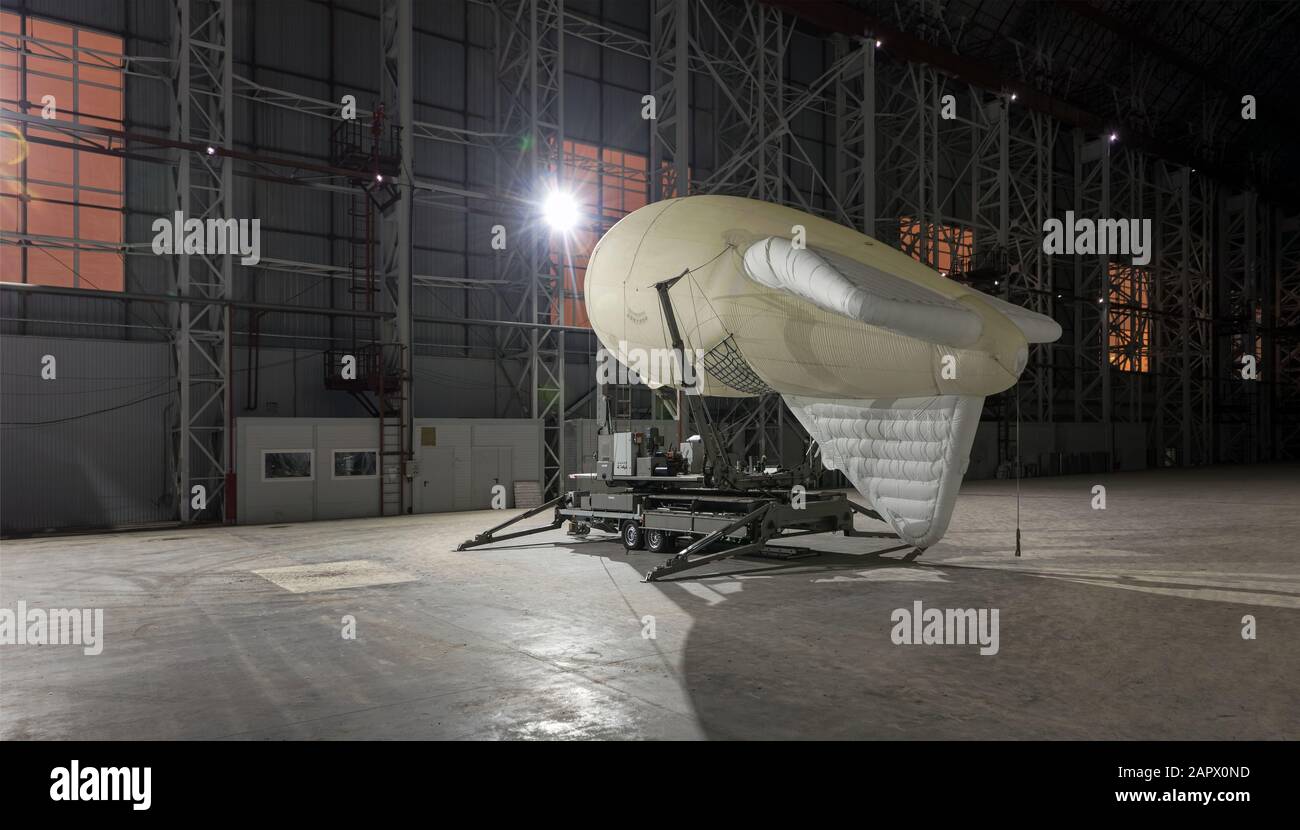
<point x="633" y="536"/>
<point x="658" y="541"/>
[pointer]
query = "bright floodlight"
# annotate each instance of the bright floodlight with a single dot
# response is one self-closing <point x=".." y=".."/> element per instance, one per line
<point x="560" y="210"/>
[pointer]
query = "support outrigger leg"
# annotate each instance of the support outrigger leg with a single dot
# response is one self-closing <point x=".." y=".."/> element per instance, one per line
<point x="871" y="514"/>
<point x="688" y="558"/>
<point x="486" y="537"/>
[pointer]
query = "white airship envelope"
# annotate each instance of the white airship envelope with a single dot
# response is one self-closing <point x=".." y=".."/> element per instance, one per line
<point x="854" y="335"/>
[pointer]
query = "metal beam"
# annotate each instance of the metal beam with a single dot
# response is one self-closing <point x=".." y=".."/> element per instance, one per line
<point x="396" y="85"/>
<point x="202" y="116"/>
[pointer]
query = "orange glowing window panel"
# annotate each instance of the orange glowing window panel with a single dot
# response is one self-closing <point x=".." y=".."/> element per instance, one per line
<point x="668" y="179"/>
<point x="624" y="183"/>
<point x="946" y="248"/>
<point x="61" y="206"/>
<point x="1130" y="318"/>
<point x="608" y="184"/>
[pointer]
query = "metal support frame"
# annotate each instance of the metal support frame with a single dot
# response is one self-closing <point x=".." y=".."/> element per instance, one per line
<point x="1091" y="319"/>
<point x="741" y="50"/>
<point x="1013" y="189"/>
<point x="1286" y="355"/>
<point x="1031" y="278"/>
<point x="670" y="83"/>
<point x="717" y="463"/>
<point x="1128" y="295"/>
<point x="909" y="164"/>
<point x="1241" y="311"/>
<point x="488" y="536"/>
<point x="396" y="87"/>
<point x="1183" y="346"/>
<point x="204" y="186"/>
<point x="530" y="39"/>
<point x="694" y="554"/>
<point x="854" y="175"/>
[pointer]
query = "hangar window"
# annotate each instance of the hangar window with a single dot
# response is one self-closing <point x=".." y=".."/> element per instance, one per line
<point x="356" y="463"/>
<point x="1130" y="317"/>
<point x="624" y="183"/>
<point x="291" y="465"/>
<point x="61" y="195"/>
<point x="945" y="248"/>
<point x="609" y="184"/>
<point x="668" y="178"/>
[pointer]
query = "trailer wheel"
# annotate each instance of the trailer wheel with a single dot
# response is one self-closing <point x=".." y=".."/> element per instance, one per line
<point x="633" y="538"/>
<point x="658" y="541"/>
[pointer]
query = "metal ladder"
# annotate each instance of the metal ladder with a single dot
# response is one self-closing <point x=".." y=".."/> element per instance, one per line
<point x="392" y="437"/>
<point x="361" y="264"/>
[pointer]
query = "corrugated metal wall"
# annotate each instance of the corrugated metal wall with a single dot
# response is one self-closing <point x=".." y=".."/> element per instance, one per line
<point x="288" y="383"/>
<point x="335" y="51"/>
<point x="323" y="50"/>
<point x="326" y="50"/>
<point x="88" y="448"/>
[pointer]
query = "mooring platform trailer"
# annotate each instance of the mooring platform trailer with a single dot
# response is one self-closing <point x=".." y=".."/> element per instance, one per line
<point x="658" y="497"/>
<point x="706" y="524"/>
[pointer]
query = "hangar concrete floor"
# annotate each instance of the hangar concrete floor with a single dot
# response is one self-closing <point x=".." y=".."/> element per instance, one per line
<point x="1122" y="623"/>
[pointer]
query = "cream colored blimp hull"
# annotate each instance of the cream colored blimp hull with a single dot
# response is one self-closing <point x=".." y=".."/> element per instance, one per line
<point x="884" y="361"/>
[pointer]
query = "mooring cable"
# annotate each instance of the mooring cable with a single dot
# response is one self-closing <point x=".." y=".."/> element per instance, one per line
<point x="1016" y="391"/>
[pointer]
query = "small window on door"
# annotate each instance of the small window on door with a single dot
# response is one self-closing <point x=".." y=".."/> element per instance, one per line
<point x="287" y="465"/>
<point x="356" y="463"/>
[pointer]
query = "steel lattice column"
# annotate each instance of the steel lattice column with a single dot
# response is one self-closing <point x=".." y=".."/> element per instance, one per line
<point x="395" y="91"/>
<point x="855" y="133"/>
<point x="202" y="114"/>
<point x="908" y="157"/>
<point x="1238" y="315"/>
<point x="1012" y="192"/>
<point x="530" y="51"/>
<point x="1128" y="301"/>
<point x="1286" y="399"/>
<point x="1031" y="280"/>
<point x="1182" y="343"/>
<point x="1092" y="399"/>
<point x="670" y="83"/>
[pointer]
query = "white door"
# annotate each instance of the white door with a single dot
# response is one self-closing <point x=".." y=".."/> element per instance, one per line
<point x="436" y="485"/>
<point x="490" y="466"/>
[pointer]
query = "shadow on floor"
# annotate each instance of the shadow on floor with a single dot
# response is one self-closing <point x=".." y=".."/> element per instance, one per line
<point x="802" y="649"/>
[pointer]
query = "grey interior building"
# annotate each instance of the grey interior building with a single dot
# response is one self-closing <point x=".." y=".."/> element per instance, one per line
<point x="376" y="347"/>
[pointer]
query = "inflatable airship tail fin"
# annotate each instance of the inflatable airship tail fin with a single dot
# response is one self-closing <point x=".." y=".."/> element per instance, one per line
<point x="907" y="456"/>
<point x="1037" y="328"/>
<point x="860" y="291"/>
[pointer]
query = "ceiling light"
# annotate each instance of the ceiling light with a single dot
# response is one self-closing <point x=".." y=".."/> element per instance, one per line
<point x="560" y="210"/>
